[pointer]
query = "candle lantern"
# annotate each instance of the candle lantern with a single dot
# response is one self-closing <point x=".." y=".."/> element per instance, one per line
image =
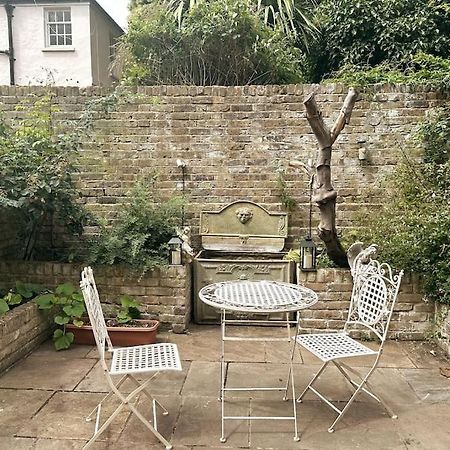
<point x="308" y="253"/>
<point x="175" y="251"/>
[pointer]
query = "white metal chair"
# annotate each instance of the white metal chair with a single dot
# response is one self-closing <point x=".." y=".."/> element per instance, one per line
<point x="126" y="361"/>
<point x="374" y="293"/>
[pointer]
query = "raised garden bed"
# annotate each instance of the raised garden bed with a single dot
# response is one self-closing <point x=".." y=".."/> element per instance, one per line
<point x="22" y="329"/>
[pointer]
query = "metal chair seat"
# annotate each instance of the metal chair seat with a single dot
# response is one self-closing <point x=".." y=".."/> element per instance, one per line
<point x="331" y="346"/>
<point x="145" y="358"/>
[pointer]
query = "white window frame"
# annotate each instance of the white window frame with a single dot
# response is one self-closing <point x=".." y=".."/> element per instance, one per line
<point x="48" y="44"/>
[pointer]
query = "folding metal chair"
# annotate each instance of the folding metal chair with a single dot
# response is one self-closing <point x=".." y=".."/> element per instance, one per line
<point x="126" y="361"/>
<point x="374" y="293"/>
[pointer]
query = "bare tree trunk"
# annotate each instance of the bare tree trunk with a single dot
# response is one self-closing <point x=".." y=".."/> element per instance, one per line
<point x="324" y="193"/>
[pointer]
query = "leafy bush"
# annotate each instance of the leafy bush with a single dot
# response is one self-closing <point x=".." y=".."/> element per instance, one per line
<point x="219" y="42"/>
<point x="370" y="32"/>
<point x="68" y="304"/>
<point x="36" y="185"/>
<point x="139" y="235"/>
<point x="20" y="294"/>
<point x="421" y="69"/>
<point x="413" y="230"/>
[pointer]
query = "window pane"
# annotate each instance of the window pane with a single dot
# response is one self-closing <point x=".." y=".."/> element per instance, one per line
<point x="66" y="16"/>
<point x="60" y="40"/>
<point x="68" y="28"/>
<point x="59" y="16"/>
<point x="52" y="29"/>
<point x="60" y="29"/>
<point x="51" y="16"/>
<point x="52" y="40"/>
<point x="68" y="40"/>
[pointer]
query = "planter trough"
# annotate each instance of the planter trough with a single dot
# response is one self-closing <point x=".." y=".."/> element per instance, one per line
<point x="120" y="336"/>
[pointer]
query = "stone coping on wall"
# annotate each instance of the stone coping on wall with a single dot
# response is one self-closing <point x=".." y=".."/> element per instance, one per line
<point x="174" y="90"/>
<point x="411" y="320"/>
<point x="164" y="293"/>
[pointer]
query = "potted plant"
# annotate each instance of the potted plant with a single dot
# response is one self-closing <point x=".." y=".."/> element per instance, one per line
<point x="126" y="329"/>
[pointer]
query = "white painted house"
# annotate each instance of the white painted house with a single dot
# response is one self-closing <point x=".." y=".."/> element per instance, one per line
<point x="57" y="42"/>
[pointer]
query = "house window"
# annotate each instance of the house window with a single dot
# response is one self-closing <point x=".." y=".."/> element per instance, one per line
<point x="58" y="27"/>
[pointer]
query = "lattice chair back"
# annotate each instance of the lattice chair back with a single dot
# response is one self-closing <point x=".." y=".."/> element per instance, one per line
<point x="94" y="309"/>
<point x="375" y="290"/>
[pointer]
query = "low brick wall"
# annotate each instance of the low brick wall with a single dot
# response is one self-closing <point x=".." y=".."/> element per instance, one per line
<point x="21" y="331"/>
<point x="441" y="330"/>
<point x="412" y="318"/>
<point x="165" y="293"/>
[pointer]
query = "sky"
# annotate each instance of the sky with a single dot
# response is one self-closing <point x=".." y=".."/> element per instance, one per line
<point x="117" y="9"/>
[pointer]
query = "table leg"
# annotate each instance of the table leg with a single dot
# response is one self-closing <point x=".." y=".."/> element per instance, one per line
<point x="222" y="376"/>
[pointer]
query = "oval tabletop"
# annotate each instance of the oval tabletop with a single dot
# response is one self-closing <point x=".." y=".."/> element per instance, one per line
<point x="258" y="296"/>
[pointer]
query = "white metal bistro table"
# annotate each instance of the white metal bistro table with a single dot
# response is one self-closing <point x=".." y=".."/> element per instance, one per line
<point x="253" y="297"/>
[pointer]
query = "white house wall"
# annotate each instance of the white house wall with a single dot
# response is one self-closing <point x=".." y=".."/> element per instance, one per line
<point x="34" y="63"/>
<point x="4" y="59"/>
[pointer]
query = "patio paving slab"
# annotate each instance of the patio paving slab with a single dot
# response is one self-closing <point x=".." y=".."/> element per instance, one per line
<point x="428" y="384"/>
<point x="199" y="424"/>
<point x="64" y="417"/>
<point x="136" y="433"/>
<point x="8" y="443"/>
<point x="202" y="379"/>
<point x="66" y="444"/>
<point x="426" y="427"/>
<point x="47" y="373"/>
<point x="45" y="398"/>
<point x="18" y="406"/>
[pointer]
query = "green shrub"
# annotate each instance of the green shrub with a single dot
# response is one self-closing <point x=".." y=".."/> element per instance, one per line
<point x="421" y="69"/>
<point x="219" y="42"/>
<point x="139" y="235"/>
<point x="36" y="185"/>
<point x="413" y="231"/>
<point x="371" y="32"/>
<point x="21" y="293"/>
<point x="68" y="305"/>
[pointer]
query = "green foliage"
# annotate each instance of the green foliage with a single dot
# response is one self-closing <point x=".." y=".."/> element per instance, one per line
<point x="413" y="231"/>
<point x="36" y="185"/>
<point x="68" y="305"/>
<point x="371" y="32"/>
<point x="21" y="293"/>
<point x="287" y="200"/>
<point x="139" y="235"/>
<point x="129" y="309"/>
<point x="421" y="69"/>
<point x="217" y="42"/>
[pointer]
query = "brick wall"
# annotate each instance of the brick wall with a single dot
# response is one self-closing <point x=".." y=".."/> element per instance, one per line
<point x="234" y="139"/>
<point x="22" y="330"/>
<point x="442" y="327"/>
<point x="165" y="294"/>
<point x="411" y="320"/>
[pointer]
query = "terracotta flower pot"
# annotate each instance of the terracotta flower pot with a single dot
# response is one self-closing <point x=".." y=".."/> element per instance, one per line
<point x="120" y="336"/>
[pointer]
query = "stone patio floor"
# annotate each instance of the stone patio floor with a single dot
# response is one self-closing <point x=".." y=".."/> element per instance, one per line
<point x="45" y="397"/>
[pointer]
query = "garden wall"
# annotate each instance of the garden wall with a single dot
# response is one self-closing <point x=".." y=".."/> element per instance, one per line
<point x="234" y="140"/>
<point x="442" y="327"/>
<point x="411" y="320"/>
<point x="21" y="331"/>
<point x="165" y="294"/>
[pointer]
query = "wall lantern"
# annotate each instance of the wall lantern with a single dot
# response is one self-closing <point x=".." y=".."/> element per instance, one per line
<point x="175" y="251"/>
<point x="308" y="250"/>
<point x="308" y="253"/>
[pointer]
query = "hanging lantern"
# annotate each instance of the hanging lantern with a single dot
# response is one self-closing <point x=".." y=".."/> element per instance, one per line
<point x="308" y="252"/>
<point x="175" y="251"/>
